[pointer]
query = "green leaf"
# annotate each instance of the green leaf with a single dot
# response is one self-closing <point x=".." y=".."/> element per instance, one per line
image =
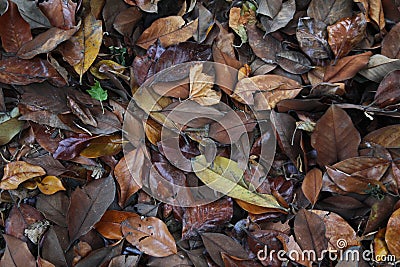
<point x="225" y="176"/>
<point x="97" y="92"/>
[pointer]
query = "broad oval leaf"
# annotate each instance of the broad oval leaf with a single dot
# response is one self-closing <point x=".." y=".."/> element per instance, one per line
<point x="329" y="11"/>
<point x="390" y="44"/>
<point x="16" y="253"/>
<point x="265" y="47"/>
<point x="335" y="138"/>
<point x="379" y="66"/>
<point x="109" y="225"/>
<point x="150" y="235"/>
<point x="224" y="176"/>
<point x="50" y="185"/>
<point x="388" y="137"/>
<point x="61" y="13"/>
<point x="293" y="62"/>
<point x="312" y="185"/>
<point x="18" y="172"/>
<point x="388" y="91"/>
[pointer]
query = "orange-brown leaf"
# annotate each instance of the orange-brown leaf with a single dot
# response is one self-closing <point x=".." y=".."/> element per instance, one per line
<point x="109" y="225"/>
<point x="17" y="172"/>
<point x="312" y="185"/>
<point x="392" y="236"/>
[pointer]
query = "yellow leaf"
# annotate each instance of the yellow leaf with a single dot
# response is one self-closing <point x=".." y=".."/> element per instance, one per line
<point x="89" y="36"/>
<point x="50" y="185"/>
<point x="18" y="172"/>
<point x="99" y="68"/>
<point x="224" y="175"/>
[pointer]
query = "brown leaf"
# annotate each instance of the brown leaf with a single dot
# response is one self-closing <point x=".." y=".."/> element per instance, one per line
<point x="88" y="205"/>
<point x="216" y="244"/>
<point x="269" y="8"/>
<point x="61" y="13"/>
<point x="335" y="138"/>
<point x="312" y="185"/>
<point x="310" y="231"/>
<point x="283" y="17"/>
<point x="201" y="85"/>
<point x="170" y="30"/>
<point x="345" y="34"/>
<point x="17" y="172"/>
<point x="293" y="62"/>
<point x="16" y="254"/>
<point x="101" y="256"/>
<point x="14" y="30"/>
<point x="380" y="213"/>
<point x="55" y="241"/>
<point x="233" y="261"/>
<point x="103" y="146"/>
<point x="125" y="22"/>
<point x="392" y="236"/>
<point x="128" y="174"/>
<point x="272" y="88"/>
<point x="390" y="44"/>
<point x="206" y="218"/>
<point x="54" y="207"/>
<point x="346" y="67"/>
<point x="21" y="72"/>
<point x="71" y="50"/>
<point x="109" y="225"/>
<point x="329" y="11"/>
<point x="374" y="9"/>
<point x="379" y="66"/>
<point x="45" y="42"/>
<point x="388" y="91"/>
<point x="265" y="47"/>
<point x="312" y="37"/>
<point x="150" y="235"/>
<point x="388" y="137"/>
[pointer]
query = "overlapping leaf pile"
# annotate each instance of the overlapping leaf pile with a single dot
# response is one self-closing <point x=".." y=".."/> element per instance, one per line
<point x="325" y="74"/>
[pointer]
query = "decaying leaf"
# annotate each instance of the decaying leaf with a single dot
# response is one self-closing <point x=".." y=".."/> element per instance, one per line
<point x="201" y="85"/>
<point x="18" y="172"/>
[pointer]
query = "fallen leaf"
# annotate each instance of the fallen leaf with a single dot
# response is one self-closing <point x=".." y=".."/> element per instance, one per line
<point x="128" y="174"/>
<point x="150" y="235"/>
<point x="387" y="92"/>
<point x="89" y="37"/>
<point x="71" y="147"/>
<point x="390" y="46"/>
<point x="269" y="8"/>
<point x="45" y="42"/>
<point x="170" y="30"/>
<point x="312" y="185"/>
<point x="374" y="9"/>
<point x="293" y="62"/>
<point x="125" y="22"/>
<point x="345" y="34"/>
<point x="310" y="232"/>
<point x="109" y="225"/>
<point x="9" y="129"/>
<point x="201" y="85"/>
<point x="329" y="11"/>
<point x="61" y="13"/>
<point x="387" y="137"/>
<point x="281" y="19"/>
<point x="32" y="14"/>
<point x="16" y="253"/>
<point x="237" y="23"/>
<point x="17" y="172"/>
<point x="88" y="205"/>
<point x="15" y="31"/>
<point x="335" y="138"/>
<point x="101" y="256"/>
<point x="265" y="47"/>
<point x="148" y="5"/>
<point x="54" y="245"/>
<point x="224" y="176"/>
<point x="312" y="37"/>
<point x="22" y="72"/>
<point x="206" y="218"/>
<point x="54" y="207"/>
<point x="392" y="235"/>
<point x="380" y="213"/>
<point x="103" y="146"/>
<point x="379" y="66"/>
<point x="50" y="185"/>
<point x="270" y="90"/>
<point x="346" y="67"/>
<point x="216" y="243"/>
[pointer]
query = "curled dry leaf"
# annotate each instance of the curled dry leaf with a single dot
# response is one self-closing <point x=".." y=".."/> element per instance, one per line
<point x="201" y="85"/>
<point x="150" y="235"/>
<point x="17" y="172"/>
<point x="14" y="30"/>
<point x="335" y="138"/>
<point x="89" y="37"/>
<point x="271" y="89"/>
<point x="170" y="30"/>
<point x="45" y="42"/>
<point x="345" y="34"/>
<point x="374" y="10"/>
